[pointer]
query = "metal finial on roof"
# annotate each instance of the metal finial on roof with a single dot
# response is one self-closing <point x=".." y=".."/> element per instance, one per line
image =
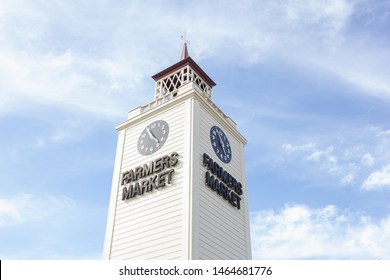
<point x="184" y="52"/>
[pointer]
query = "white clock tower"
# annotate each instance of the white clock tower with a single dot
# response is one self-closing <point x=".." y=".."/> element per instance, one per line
<point x="179" y="189"/>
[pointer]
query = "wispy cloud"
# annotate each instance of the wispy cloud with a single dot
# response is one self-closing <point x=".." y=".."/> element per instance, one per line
<point x="103" y="58"/>
<point x="301" y="232"/>
<point x="24" y="207"/>
<point x="50" y="226"/>
<point x="368" y="159"/>
<point x="294" y="148"/>
<point x="378" y="180"/>
<point x="64" y="80"/>
<point x="353" y="161"/>
<point x="309" y="154"/>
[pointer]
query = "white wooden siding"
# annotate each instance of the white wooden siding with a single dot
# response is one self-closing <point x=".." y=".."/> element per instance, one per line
<point x="222" y="227"/>
<point x="150" y="226"/>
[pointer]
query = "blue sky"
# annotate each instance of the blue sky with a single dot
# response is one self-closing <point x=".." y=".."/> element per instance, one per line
<point x="308" y="83"/>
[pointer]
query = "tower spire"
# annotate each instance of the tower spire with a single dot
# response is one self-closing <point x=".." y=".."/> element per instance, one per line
<point x="184" y="52"/>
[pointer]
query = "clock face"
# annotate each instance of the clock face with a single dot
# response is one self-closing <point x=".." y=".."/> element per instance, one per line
<point x="220" y="144"/>
<point x="153" y="137"/>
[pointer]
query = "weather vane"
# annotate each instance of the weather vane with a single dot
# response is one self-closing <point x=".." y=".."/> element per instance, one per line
<point x="184" y="36"/>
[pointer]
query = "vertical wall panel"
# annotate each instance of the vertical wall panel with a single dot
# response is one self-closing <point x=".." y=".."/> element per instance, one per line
<point x="150" y="226"/>
<point x="222" y="227"/>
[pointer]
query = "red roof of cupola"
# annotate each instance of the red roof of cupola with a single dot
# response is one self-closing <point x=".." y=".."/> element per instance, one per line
<point x="185" y="60"/>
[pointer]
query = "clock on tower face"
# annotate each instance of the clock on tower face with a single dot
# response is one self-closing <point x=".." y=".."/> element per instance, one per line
<point x="153" y="137"/>
<point x="220" y="144"/>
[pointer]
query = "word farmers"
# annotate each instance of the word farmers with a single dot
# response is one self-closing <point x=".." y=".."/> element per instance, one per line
<point x="150" y="168"/>
<point x="155" y="174"/>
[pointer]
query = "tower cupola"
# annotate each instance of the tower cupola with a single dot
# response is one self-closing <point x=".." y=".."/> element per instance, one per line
<point x="169" y="80"/>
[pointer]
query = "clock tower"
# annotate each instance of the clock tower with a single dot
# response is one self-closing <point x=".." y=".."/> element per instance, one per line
<point x="179" y="189"/>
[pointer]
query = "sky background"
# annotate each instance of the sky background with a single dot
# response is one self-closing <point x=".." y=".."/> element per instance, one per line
<point x="307" y="82"/>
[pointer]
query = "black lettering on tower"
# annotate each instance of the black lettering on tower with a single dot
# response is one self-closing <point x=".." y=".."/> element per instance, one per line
<point x="224" y="191"/>
<point x="170" y="172"/>
<point x="138" y="173"/>
<point x="148" y="169"/>
<point x="165" y="162"/>
<point x="125" y="177"/>
<point x="152" y="182"/>
<point x="144" y="186"/>
<point x="157" y="165"/>
<point x="174" y="159"/>
<point x="136" y="190"/>
<point x="239" y="188"/>
<point x="126" y="193"/>
<point x="161" y="180"/>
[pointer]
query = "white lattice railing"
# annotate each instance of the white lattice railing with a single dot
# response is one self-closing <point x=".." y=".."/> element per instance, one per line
<point x="179" y="78"/>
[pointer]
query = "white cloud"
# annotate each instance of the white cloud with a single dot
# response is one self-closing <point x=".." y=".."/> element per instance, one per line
<point x="325" y="159"/>
<point x="300" y="232"/>
<point x="52" y="54"/>
<point x="23" y="207"/>
<point x="98" y="59"/>
<point x="348" y="179"/>
<point x="368" y="160"/>
<point x="58" y="132"/>
<point x="63" y="80"/>
<point x="378" y="180"/>
<point x="323" y="154"/>
<point x="301" y="148"/>
<point x="379" y="132"/>
<point x="355" y="157"/>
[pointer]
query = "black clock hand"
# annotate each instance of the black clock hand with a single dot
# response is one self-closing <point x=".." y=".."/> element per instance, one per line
<point x="151" y="135"/>
<point x="221" y="143"/>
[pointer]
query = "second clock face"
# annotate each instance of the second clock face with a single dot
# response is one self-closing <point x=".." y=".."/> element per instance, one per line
<point x="153" y="137"/>
<point x="220" y="144"/>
